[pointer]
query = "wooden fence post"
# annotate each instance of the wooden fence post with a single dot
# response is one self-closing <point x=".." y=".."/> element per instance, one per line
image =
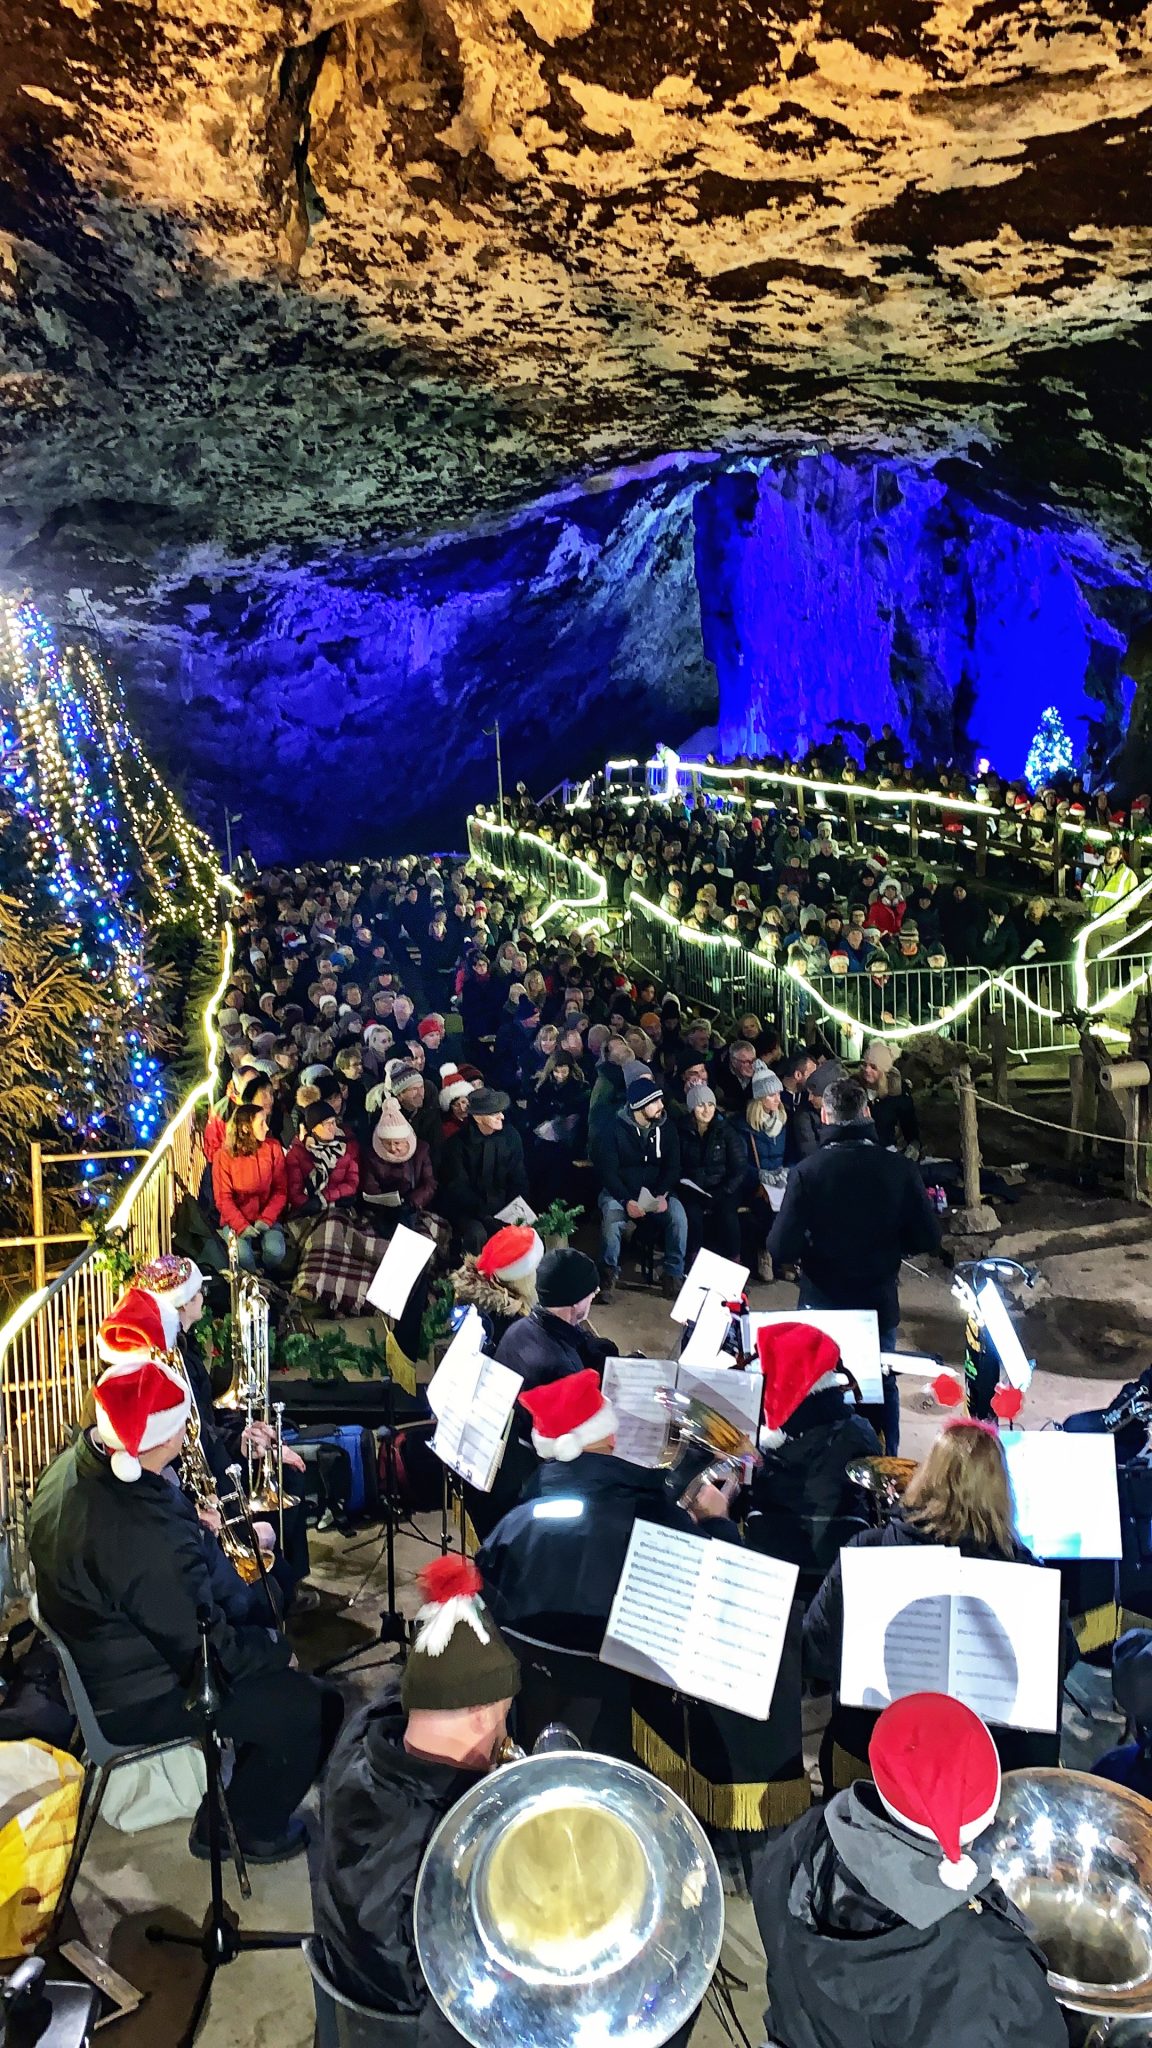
<point x="975" y="1219"/>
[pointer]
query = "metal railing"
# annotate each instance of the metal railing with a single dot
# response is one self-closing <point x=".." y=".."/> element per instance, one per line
<point x="716" y="969"/>
<point x="48" y="1356"/>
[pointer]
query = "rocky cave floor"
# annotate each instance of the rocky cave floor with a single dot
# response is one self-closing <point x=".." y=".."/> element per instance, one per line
<point x="1085" y="1327"/>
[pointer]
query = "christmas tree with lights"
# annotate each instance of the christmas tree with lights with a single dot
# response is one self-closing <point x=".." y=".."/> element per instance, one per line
<point x="1050" y="754"/>
<point x="101" y="875"/>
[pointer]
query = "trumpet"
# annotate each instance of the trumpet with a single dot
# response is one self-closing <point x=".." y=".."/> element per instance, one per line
<point x="266" y="1495"/>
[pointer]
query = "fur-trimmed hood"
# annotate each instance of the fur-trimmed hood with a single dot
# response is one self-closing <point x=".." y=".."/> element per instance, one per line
<point x="491" y="1297"/>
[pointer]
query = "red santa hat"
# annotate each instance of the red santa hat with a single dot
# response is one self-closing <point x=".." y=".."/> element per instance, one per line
<point x="937" y="1772"/>
<point x="139" y="1406"/>
<point x="512" y="1254"/>
<point x="143" y="1325"/>
<point x="796" y="1360"/>
<point x="569" y="1415"/>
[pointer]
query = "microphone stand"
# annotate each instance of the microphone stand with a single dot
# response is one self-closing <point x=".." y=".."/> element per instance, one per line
<point x="220" y="1939"/>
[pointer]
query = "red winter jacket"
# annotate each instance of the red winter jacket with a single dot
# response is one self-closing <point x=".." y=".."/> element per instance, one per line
<point x="215" y="1132"/>
<point x="887" y="917"/>
<point x="343" y="1180"/>
<point x="250" y="1187"/>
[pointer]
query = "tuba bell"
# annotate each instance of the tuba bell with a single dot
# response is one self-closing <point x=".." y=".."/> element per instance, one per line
<point x="566" y="1899"/>
<point x="1074" y="1853"/>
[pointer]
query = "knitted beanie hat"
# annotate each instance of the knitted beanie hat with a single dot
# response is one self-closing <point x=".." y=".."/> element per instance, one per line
<point x="459" y="1658"/>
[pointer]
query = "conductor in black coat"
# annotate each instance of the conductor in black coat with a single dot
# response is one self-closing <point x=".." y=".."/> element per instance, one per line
<point x="851" y="1212"/>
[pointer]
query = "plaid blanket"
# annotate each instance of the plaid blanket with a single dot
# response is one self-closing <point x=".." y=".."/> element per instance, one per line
<point x="337" y="1261"/>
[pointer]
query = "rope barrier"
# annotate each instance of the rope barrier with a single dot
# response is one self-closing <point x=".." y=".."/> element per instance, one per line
<point x="1066" y="1130"/>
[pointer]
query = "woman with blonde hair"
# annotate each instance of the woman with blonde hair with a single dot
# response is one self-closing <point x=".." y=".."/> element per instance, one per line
<point x="959" y="1498"/>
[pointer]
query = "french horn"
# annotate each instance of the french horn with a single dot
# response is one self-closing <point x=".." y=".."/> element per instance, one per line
<point x="567" y="1899"/>
<point x="1074" y="1853"/>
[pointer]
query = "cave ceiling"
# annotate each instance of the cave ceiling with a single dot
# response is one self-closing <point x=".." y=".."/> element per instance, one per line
<point x="280" y="281"/>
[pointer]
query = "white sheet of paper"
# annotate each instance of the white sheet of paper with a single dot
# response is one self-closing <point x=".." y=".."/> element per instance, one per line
<point x="706" y="1617"/>
<point x="470" y="1435"/>
<point x="405" y="1259"/>
<point x="738" y="1396"/>
<point x="703" y="1346"/>
<point x="708" y="1274"/>
<point x="775" y="1197"/>
<point x="459" y="1369"/>
<point x="641" y="1423"/>
<point x="1001" y="1329"/>
<point x="929" y="1620"/>
<point x="1067" y="1504"/>
<point x="647" y="1201"/>
<point x="855" y="1330"/>
<point x="917" y="1363"/>
<point x="516" y="1211"/>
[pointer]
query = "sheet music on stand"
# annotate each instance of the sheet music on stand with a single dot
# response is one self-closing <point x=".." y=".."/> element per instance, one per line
<point x="708" y="1274"/>
<point x="471" y="1434"/>
<point x="459" y="1369"/>
<point x="1065" y="1491"/>
<point x="855" y="1330"/>
<point x="737" y="1396"/>
<point x="703" y="1616"/>
<point x="708" y="1334"/>
<point x="924" y="1618"/>
<point x="641" y="1423"/>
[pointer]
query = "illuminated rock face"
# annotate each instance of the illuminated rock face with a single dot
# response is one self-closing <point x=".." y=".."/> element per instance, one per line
<point x="286" y="283"/>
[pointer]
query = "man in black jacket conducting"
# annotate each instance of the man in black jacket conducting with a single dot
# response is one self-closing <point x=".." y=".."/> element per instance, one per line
<point x="401" y="1764"/>
<point x="852" y="1211"/>
<point x="122" y="1578"/>
<point x="637" y="1153"/>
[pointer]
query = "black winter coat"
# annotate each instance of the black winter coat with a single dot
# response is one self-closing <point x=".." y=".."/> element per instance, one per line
<point x="481" y="1175"/>
<point x="845" y="1971"/>
<point x="806" y="1477"/>
<point x="851" y="1212"/>
<point x="627" y="1157"/>
<point x="120" y="1574"/>
<point x="381" y="1807"/>
<point x="541" y="1349"/>
<point x="556" y="1578"/>
<point x="718" y="1160"/>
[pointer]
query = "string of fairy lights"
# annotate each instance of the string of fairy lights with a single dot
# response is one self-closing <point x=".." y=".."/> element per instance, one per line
<point x="110" y="853"/>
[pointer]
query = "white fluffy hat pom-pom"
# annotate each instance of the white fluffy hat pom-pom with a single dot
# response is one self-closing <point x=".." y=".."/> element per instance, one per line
<point x="958" y="1876"/>
<point x="126" y="1467"/>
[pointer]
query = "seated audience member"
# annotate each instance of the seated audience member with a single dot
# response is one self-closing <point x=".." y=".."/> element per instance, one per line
<point x="732" y="1076"/>
<point x="1130" y="1763"/>
<point x="418" y="1099"/>
<point x="558" y="1113"/>
<point x="998" y="947"/>
<point x="397" y="1184"/>
<point x="805" y="1126"/>
<point x="637" y="1152"/>
<point x="767" y="1141"/>
<point x="402" y="1763"/>
<point x="890" y="1098"/>
<point x="959" y="1498"/>
<point x="250" y="1190"/>
<point x="483" y="1170"/>
<point x="122" y="1576"/>
<point x="879" y="1915"/>
<point x="555" y="1576"/>
<point x="454" y="1098"/>
<point x="800" y="1495"/>
<point x="499" y="1281"/>
<point x="322" y="1168"/>
<point x="714" y="1176"/>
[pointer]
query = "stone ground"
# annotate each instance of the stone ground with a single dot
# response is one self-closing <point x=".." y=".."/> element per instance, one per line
<point x="264" y="2001"/>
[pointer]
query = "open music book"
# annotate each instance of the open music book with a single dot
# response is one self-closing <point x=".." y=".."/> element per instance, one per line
<point x="927" y="1619"/>
<point x="630" y="1384"/>
<point x="471" y="1433"/>
<point x="706" y="1617"/>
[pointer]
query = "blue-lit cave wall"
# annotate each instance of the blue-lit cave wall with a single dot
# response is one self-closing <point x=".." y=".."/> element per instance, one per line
<point x="341" y="705"/>
<point x="875" y="591"/>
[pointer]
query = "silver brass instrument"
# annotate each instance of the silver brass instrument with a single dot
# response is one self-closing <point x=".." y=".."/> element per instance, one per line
<point x="1074" y="1853"/>
<point x="884" y="1481"/>
<point x="566" y="1900"/>
<point x="266" y="1495"/>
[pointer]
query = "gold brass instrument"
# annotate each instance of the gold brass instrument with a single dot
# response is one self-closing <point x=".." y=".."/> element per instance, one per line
<point x="565" y="1900"/>
<point x="884" y="1481"/>
<point x="1074" y="1853"/>
<point x="197" y="1480"/>
<point x="266" y="1495"/>
<point x="701" y="1443"/>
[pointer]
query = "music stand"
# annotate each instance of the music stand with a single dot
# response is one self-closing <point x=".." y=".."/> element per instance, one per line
<point x="221" y="1938"/>
<point x="393" y="1625"/>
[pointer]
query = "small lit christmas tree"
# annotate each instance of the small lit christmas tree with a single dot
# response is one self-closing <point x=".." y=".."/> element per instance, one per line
<point x="1050" y="753"/>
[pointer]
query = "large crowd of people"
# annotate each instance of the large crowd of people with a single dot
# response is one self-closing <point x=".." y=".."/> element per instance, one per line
<point x="401" y="1043"/>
